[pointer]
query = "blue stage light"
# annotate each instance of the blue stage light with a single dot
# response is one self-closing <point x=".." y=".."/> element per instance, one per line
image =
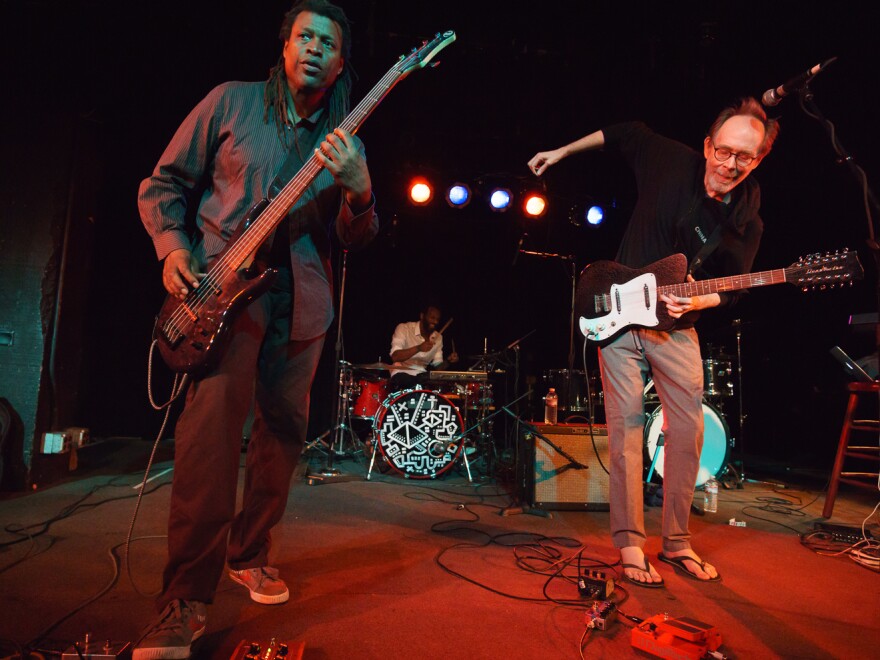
<point x="500" y="199"/>
<point x="595" y="215"/>
<point x="458" y="195"/>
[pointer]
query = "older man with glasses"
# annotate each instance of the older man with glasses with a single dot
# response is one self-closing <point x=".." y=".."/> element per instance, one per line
<point x="691" y="203"/>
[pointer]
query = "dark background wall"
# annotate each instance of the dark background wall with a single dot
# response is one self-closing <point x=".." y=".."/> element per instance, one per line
<point x="519" y="79"/>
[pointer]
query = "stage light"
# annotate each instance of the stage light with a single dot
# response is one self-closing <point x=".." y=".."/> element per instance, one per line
<point x="420" y="191"/>
<point x="535" y="204"/>
<point x="499" y="199"/>
<point x="458" y="196"/>
<point x="595" y="215"/>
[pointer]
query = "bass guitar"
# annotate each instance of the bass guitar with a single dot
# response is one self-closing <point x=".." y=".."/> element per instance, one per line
<point x="611" y="297"/>
<point x="192" y="333"/>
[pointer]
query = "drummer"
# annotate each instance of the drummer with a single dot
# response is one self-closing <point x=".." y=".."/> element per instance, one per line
<point x="417" y="346"/>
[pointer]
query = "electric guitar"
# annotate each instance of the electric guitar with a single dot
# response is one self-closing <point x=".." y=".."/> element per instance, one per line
<point x="192" y="333"/>
<point x="611" y="297"/>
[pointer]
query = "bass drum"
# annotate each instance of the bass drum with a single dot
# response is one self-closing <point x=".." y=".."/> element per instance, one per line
<point x="716" y="442"/>
<point x="419" y="432"/>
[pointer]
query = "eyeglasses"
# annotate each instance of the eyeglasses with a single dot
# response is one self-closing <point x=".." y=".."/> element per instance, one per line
<point x="722" y="154"/>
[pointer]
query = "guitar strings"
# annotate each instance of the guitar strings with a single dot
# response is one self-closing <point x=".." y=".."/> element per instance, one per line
<point x="225" y="268"/>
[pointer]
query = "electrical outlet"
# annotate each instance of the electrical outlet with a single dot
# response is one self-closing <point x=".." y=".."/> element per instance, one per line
<point x="56" y="442"/>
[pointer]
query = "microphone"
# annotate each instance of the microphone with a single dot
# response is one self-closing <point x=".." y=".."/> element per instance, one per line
<point x="518" y="248"/>
<point x="774" y="95"/>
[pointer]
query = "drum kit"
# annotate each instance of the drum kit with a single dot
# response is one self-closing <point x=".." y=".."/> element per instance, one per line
<point x="576" y="393"/>
<point x="718" y="387"/>
<point x="421" y="432"/>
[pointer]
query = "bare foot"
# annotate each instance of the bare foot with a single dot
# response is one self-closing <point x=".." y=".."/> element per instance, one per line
<point x="634" y="555"/>
<point x="694" y="564"/>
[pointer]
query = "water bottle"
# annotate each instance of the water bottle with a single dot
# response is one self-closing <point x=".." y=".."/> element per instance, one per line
<point x="551" y="406"/>
<point x="710" y="496"/>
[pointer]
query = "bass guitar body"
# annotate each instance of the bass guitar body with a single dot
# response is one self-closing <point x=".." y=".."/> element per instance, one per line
<point x="192" y="333"/>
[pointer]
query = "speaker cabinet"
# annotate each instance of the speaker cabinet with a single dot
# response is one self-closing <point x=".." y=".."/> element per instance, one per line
<point x="557" y="481"/>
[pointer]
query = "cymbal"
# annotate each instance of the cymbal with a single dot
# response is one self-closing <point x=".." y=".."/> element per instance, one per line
<point x="375" y="366"/>
<point x="480" y="356"/>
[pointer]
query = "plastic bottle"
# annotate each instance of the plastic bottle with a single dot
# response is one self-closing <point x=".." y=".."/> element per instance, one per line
<point x="710" y="495"/>
<point x="551" y="406"/>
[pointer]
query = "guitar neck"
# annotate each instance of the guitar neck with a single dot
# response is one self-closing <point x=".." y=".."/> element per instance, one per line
<point x="277" y="209"/>
<point x="720" y="284"/>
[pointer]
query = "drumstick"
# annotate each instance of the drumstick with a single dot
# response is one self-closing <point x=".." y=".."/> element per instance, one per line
<point x="443" y="329"/>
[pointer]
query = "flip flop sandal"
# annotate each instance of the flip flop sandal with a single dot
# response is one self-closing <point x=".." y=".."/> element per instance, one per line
<point x="645" y="569"/>
<point x="680" y="567"/>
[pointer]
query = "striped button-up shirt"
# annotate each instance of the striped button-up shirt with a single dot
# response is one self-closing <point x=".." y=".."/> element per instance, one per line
<point x="221" y="161"/>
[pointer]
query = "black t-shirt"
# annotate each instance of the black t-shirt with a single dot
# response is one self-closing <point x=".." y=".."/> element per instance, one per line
<point x="674" y="214"/>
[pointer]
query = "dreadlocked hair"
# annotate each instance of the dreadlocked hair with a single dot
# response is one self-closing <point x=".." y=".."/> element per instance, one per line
<point x="275" y="98"/>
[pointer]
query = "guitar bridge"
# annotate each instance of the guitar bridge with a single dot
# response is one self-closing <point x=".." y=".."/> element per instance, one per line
<point x="172" y="334"/>
<point x="602" y="303"/>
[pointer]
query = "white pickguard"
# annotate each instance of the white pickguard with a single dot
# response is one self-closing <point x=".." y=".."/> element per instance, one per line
<point x="632" y="303"/>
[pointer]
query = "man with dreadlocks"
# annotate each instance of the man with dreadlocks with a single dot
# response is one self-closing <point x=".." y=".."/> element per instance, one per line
<point x="222" y="159"/>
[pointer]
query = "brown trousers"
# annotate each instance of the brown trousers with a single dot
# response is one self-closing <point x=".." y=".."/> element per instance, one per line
<point x="260" y="364"/>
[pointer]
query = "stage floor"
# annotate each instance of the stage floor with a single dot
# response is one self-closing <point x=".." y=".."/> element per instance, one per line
<point x="407" y="568"/>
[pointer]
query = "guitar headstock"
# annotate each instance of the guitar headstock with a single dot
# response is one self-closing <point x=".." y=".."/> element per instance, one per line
<point x="418" y="58"/>
<point x="825" y="271"/>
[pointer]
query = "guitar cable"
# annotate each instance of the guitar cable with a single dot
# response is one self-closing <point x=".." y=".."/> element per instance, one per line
<point x="177" y="386"/>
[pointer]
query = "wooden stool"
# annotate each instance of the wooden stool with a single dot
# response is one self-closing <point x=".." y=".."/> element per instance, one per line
<point x="844" y="449"/>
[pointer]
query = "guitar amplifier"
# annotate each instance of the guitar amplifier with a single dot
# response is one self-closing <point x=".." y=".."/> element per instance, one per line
<point x="555" y="481"/>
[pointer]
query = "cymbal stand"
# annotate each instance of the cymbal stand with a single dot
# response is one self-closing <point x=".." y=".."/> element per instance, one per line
<point x="328" y="473"/>
<point x="740" y="477"/>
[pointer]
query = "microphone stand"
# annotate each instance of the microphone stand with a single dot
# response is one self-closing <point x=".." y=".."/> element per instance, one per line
<point x="808" y="105"/>
<point x="328" y="473"/>
<point x="571" y="260"/>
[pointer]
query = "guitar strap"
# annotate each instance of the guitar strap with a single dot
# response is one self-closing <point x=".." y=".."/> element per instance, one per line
<point x="276" y="248"/>
<point x="707" y="249"/>
<point x="295" y="161"/>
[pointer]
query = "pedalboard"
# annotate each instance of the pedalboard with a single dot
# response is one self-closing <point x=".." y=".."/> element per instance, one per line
<point x="595" y="585"/>
<point x="681" y="639"/>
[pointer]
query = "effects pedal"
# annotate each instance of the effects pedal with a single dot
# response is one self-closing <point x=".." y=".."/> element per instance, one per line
<point x="681" y="639"/>
<point x="273" y="650"/>
<point x="600" y="615"/>
<point x="595" y="584"/>
<point x="87" y="649"/>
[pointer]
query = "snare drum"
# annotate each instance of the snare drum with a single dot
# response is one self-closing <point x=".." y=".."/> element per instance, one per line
<point x="716" y="442"/>
<point x="368" y="396"/>
<point x="419" y="432"/>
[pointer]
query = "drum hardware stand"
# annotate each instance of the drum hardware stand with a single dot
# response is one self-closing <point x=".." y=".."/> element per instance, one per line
<point x="328" y="473"/>
<point x="739" y="477"/>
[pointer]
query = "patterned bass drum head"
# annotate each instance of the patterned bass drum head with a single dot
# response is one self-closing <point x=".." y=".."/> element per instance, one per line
<point x="419" y="433"/>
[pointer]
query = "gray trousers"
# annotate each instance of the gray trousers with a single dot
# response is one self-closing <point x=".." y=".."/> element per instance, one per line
<point x="673" y="361"/>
